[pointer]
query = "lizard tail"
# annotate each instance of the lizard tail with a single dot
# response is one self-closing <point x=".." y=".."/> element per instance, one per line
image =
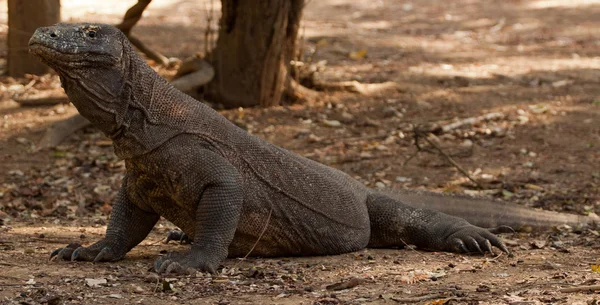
<point x="490" y="213"/>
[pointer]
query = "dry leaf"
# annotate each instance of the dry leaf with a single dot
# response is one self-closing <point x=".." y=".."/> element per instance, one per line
<point x="358" y="55"/>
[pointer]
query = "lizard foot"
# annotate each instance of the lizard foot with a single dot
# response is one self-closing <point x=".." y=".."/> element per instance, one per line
<point x="95" y="253"/>
<point x="178" y="236"/>
<point x="469" y="239"/>
<point x="185" y="263"/>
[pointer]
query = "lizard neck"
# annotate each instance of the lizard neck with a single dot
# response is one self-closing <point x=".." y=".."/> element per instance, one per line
<point x="153" y="110"/>
<point x="134" y="106"/>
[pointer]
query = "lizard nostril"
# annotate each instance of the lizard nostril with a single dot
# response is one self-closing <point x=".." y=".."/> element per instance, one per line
<point x="53" y="35"/>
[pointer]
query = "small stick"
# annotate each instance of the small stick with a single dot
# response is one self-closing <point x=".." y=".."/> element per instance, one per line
<point x="460" y="169"/>
<point x="418" y="299"/>
<point x="257" y="240"/>
<point x="580" y="288"/>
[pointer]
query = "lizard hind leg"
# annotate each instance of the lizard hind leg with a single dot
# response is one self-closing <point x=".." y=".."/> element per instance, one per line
<point x="396" y="224"/>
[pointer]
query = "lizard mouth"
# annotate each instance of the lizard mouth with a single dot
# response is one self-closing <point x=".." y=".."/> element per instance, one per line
<point x="45" y="51"/>
<point x="54" y="57"/>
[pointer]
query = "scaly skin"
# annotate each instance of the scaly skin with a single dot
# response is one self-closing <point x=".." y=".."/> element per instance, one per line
<point x="216" y="182"/>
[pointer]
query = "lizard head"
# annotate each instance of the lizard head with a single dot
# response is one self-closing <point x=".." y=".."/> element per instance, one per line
<point x="90" y="60"/>
<point x="75" y="46"/>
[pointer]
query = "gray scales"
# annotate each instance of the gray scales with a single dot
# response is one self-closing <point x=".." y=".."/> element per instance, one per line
<point x="224" y="187"/>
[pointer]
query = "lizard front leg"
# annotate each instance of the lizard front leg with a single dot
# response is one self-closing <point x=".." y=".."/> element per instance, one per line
<point x="128" y="226"/>
<point x="216" y="214"/>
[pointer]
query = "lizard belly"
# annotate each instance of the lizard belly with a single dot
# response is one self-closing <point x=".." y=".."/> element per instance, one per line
<point x="276" y="224"/>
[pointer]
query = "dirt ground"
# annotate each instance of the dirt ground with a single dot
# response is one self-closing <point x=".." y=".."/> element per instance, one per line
<point x="533" y="67"/>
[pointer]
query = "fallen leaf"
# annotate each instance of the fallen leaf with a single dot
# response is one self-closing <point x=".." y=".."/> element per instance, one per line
<point x="350" y="283"/>
<point x="357" y="55"/>
<point x="538" y="244"/>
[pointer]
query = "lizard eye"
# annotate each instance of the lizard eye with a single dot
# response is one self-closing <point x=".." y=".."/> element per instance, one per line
<point x="92" y="34"/>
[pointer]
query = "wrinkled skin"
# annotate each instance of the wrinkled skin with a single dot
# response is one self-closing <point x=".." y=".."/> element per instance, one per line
<point x="222" y="186"/>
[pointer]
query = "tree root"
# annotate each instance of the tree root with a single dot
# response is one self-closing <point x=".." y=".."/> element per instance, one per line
<point x="193" y="73"/>
<point x="298" y="93"/>
<point x="418" y="134"/>
<point x="43" y="98"/>
<point x="473" y="120"/>
<point x="356" y="87"/>
<point x="60" y="130"/>
<point x="131" y="18"/>
<point x="152" y="54"/>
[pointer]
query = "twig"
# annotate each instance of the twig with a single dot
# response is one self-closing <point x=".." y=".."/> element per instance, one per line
<point x="60" y="130"/>
<point x="257" y="240"/>
<point x="131" y="18"/>
<point x="412" y="156"/>
<point x="441" y="151"/>
<point x="580" y="288"/>
<point x="151" y="53"/>
<point x="473" y="120"/>
<point x="408" y="246"/>
<point x="191" y="81"/>
<point x="419" y="298"/>
<point x="208" y="34"/>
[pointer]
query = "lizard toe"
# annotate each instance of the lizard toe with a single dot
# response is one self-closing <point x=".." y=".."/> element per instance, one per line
<point x="501" y="229"/>
<point x="182" y="263"/>
<point x="64" y="253"/>
<point x="475" y="239"/>
<point x="178" y="236"/>
<point x="473" y="245"/>
<point x="457" y="245"/>
<point x="84" y="254"/>
<point x="487" y="246"/>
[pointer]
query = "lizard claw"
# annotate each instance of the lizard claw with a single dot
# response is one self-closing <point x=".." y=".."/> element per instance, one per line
<point x="474" y="239"/>
<point x="178" y="236"/>
<point x="64" y="253"/>
<point x="183" y="263"/>
<point x="95" y="253"/>
<point x="501" y="229"/>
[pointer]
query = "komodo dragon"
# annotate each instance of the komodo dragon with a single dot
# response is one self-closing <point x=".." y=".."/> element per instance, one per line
<point x="224" y="187"/>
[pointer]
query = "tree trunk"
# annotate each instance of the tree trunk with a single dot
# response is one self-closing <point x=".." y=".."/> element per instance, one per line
<point x="23" y="18"/>
<point x="257" y="41"/>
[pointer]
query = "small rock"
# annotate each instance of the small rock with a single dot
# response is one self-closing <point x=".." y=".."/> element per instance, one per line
<point x="332" y="123"/>
<point x="538" y="244"/>
<point x="95" y="283"/>
<point x="523" y="119"/>
<point x="467" y="143"/>
<point x="401" y="179"/>
<point x="16" y="172"/>
<point x="138" y="289"/>
<point x="313" y="138"/>
<point x="562" y="83"/>
<point x="23" y="141"/>
<point x="424" y="104"/>
<point x="151" y="278"/>
<point x="347" y="116"/>
<point x="487" y="176"/>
